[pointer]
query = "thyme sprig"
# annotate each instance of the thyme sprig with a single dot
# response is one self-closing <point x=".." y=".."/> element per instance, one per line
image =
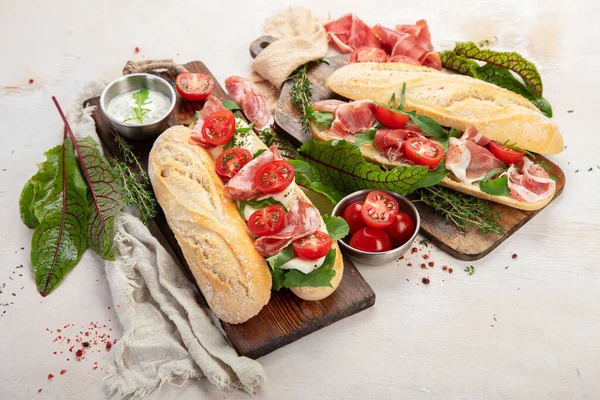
<point x="461" y="210"/>
<point x="301" y="93"/>
<point x="135" y="181"/>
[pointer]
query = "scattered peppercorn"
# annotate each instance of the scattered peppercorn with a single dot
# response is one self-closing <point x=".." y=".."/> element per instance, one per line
<point x="514" y="256"/>
<point x="425" y="281"/>
<point x="108" y="346"/>
<point x="450" y="270"/>
<point x="50" y="376"/>
<point x="63" y="371"/>
<point x="425" y="256"/>
<point x="79" y="353"/>
<point x="445" y="267"/>
<point x="431" y="263"/>
<point x="85" y="344"/>
<point x="30" y="81"/>
<point x="137" y="49"/>
<point x="39" y="390"/>
<point x="423" y="266"/>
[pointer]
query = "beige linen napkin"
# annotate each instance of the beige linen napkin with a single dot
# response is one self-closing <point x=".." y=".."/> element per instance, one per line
<point x="301" y="39"/>
<point x="166" y="332"/>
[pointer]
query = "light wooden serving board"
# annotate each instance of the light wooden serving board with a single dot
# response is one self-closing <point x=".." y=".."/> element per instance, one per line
<point x="286" y="317"/>
<point x="468" y="245"/>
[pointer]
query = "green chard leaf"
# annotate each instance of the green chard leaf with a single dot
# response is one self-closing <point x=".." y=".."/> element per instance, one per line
<point x="337" y="227"/>
<point x="26" y="202"/>
<point x="106" y="196"/>
<point x="459" y="63"/>
<point x="59" y="203"/>
<point x="300" y="166"/>
<point x="340" y="165"/>
<point x="230" y="105"/>
<point x="509" y="60"/>
<point x="496" y="187"/>
<point x="267" y="136"/>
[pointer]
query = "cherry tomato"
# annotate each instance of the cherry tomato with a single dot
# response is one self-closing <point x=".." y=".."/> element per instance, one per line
<point x="505" y="154"/>
<point x="352" y="216"/>
<point x="267" y="221"/>
<point x="218" y="128"/>
<point x="312" y="246"/>
<point x="421" y="151"/>
<point x="194" y="86"/>
<point x="390" y="118"/>
<point x="368" y="54"/>
<point x="379" y="209"/>
<point x="371" y="239"/>
<point x="231" y="161"/>
<point x="402" y="229"/>
<point x="274" y="176"/>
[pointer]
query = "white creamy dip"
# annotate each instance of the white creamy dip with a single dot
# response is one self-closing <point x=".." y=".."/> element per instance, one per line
<point x="122" y="107"/>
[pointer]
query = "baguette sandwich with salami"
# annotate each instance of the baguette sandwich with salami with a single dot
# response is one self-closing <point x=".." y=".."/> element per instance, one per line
<point x="242" y="223"/>
<point x="481" y="135"/>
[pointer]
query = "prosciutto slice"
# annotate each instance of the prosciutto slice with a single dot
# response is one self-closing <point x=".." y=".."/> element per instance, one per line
<point x="301" y="220"/>
<point x="327" y="105"/>
<point x="254" y="105"/>
<point x="412" y="47"/>
<point x="349" y="32"/>
<point x="469" y="161"/>
<point x="211" y="105"/>
<point x="390" y="142"/>
<point x="241" y="186"/>
<point x="354" y="117"/>
<point x="530" y="183"/>
<point x="420" y="30"/>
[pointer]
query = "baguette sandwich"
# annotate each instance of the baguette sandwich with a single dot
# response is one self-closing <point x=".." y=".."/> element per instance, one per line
<point x="207" y="196"/>
<point x="490" y="131"/>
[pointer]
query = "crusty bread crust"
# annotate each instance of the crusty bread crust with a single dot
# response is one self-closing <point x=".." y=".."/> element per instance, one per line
<point x="219" y="249"/>
<point x="452" y="100"/>
<point x="371" y="154"/>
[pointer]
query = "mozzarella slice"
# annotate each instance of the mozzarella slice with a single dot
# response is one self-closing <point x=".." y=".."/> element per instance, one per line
<point x="286" y="197"/>
<point x="304" y="266"/>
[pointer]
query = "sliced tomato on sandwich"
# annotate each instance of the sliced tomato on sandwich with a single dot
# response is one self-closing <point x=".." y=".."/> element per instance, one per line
<point x="274" y="177"/>
<point x="506" y="154"/>
<point x="267" y="221"/>
<point x="421" y="151"/>
<point x="218" y="128"/>
<point x="313" y="246"/>
<point x="230" y="161"/>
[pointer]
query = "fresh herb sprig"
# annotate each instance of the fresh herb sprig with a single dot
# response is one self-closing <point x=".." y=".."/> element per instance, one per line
<point x="301" y="93"/>
<point x="461" y="210"/>
<point x="135" y="181"/>
<point x="141" y="99"/>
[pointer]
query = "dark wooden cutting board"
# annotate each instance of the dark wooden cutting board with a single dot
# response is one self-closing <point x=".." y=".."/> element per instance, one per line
<point x="468" y="245"/>
<point x="285" y="318"/>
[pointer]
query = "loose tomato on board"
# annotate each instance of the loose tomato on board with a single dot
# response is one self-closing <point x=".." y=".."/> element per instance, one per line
<point x="274" y="176"/>
<point x="218" y="128"/>
<point x="401" y="229"/>
<point x="505" y="154"/>
<point x="267" y="221"/>
<point x="194" y="86"/>
<point x="313" y="246"/>
<point x="368" y="54"/>
<point x="230" y="161"/>
<point x="379" y="209"/>
<point x="371" y="239"/>
<point x="352" y="216"/>
<point x="390" y="118"/>
<point x="421" y="151"/>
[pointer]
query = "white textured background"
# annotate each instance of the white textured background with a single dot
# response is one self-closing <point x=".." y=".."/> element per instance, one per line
<point x="417" y="342"/>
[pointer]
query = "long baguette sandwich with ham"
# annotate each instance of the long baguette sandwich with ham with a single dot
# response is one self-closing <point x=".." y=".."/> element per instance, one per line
<point x="241" y="221"/>
<point x="490" y="132"/>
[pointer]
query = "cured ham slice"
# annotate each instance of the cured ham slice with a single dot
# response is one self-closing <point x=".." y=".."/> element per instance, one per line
<point x="390" y="142"/>
<point x="254" y="105"/>
<point x="530" y="183"/>
<point x="349" y="32"/>
<point x="419" y="29"/>
<point x="473" y="134"/>
<point x="467" y="160"/>
<point x="404" y="59"/>
<point x="211" y="105"/>
<point x="241" y="186"/>
<point x="354" y="117"/>
<point x="301" y="220"/>
<point x="412" y="47"/>
<point x="327" y="105"/>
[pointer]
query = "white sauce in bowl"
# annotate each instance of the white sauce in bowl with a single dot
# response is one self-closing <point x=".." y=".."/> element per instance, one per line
<point x="121" y="107"/>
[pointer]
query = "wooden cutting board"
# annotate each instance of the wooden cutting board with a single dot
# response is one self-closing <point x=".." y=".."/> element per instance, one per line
<point x="285" y="318"/>
<point x="468" y="245"/>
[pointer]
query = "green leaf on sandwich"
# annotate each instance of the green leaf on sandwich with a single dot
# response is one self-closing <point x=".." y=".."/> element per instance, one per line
<point x="366" y="137"/>
<point x="284" y="278"/>
<point x="337" y="227"/>
<point x="259" y="204"/>
<point x="322" y="119"/>
<point x="496" y="187"/>
<point x="230" y="105"/>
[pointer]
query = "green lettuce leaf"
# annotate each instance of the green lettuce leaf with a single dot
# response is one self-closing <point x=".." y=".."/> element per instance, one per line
<point x="496" y="187"/>
<point x="285" y="255"/>
<point x="434" y="177"/>
<point x="259" y="204"/>
<point x="322" y="119"/>
<point x="59" y="203"/>
<point x="267" y="136"/>
<point x="340" y="165"/>
<point x="322" y="276"/>
<point x="337" y="227"/>
<point x="366" y="137"/>
<point x="105" y="196"/>
<point x="230" y="105"/>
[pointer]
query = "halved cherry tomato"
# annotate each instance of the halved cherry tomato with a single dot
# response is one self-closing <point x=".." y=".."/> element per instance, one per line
<point x="267" y="221"/>
<point x="194" y="86"/>
<point x="368" y="54"/>
<point x="402" y="229"/>
<point x="312" y="246"/>
<point x="390" y="118"/>
<point x="218" y="128"/>
<point x="274" y="176"/>
<point x="231" y="161"/>
<point x="421" y="151"/>
<point x="352" y="216"/>
<point x="505" y="154"/>
<point x="371" y="239"/>
<point x="379" y="210"/>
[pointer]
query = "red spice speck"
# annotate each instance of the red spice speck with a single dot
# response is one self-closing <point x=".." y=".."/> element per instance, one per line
<point x="63" y="371"/>
<point x="109" y="308"/>
<point x="445" y="267"/>
<point x="79" y="353"/>
<point x="514" y="256"/>
<point x="39" y="390"/>
<point x="425" y="256"/>
<point x="431" y="264"/>
<point x="137" y="49"/>
<point x="425" y="281"/>
<point x="85" y="344"/>
<point x="423" y="266"/>
<point x="30" y="82"/>
<point x="50" y="376"/>
<point x="108" y="346"/>
<point x="54" y="352"/>
<point x="450" y="270"/>
<point x="414" y="250"/>
<point x="409" y="265"/>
